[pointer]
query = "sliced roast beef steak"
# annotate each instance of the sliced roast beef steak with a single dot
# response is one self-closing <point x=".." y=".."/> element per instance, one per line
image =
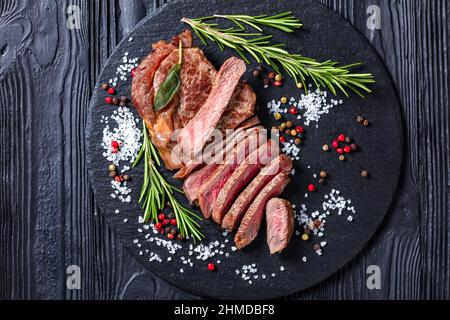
<point x="244" y="173"/>
<point x="192" y="184"/>
<point x="193" y="137"/>
<point x="210" y="188"/>
<point x="251" y="223"/>
<point x="232" y="219"/>
<point x="195" y="163"/>
<point x="280" y="224"/>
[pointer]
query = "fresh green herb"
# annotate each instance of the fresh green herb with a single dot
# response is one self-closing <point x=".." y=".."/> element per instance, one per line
<point x="156" y="190"/>
<point x="170" y="86"/>
<point x="284" y="21"/>
<point x="324" y="74"/>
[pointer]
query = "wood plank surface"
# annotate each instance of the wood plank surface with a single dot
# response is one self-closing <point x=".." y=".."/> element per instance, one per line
<point x="49" y="219"/>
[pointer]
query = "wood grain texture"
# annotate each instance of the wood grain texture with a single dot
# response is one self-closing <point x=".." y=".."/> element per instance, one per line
<point x="49" y="219"/>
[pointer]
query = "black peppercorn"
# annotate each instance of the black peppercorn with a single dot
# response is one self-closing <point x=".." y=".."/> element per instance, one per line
<point x="115" y="101"/>
<point x="317" y="247"/>
<point x="256" y="73"/>
<point x="354" y="147"/>
<point x="359" y="119"/>
<point x="168" y="230"/>
<point x="260" y="68"/>
<point x="180" y="237"/>
<point x="322" y="181"/>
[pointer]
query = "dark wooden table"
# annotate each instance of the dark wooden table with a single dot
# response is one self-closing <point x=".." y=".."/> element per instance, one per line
<point x="49" y="219"/>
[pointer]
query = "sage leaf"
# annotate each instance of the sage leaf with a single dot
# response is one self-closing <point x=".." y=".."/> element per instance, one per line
<point x="168" y="88"/>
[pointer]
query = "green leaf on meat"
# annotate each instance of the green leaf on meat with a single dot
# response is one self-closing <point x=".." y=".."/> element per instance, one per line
<point x="168" y="88"/>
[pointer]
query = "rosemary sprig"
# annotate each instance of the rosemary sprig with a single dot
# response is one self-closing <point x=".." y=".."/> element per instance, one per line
<point x="324" y="74"/>
<point x="284" y="21"/>
<point x="155" y="190"/>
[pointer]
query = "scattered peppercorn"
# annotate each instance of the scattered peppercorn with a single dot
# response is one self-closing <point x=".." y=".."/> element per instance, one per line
<point x="111" y="91"/>
<point x="307" y="230"/>
<point x="299" y="85"/>
<point x="323" y="174"/>
<point x="297" y="141"/>
<point x="284" y="100"/>
<point x="282" y="139"/>
<point x="161" y="217"/>
<point x="173" y="222"/>
<point x="299" y="129"/>
<point x="118" y="179"/>
<point x="211" y="267"/>
<point x="317" y="247"/>
<point x="341" y="157"/>
<point x="322" y="181"/>
<point x="340" y="150"/>
<point x="278" y="83"/>
<point x="289" y="124"/>
<point x="168" y="230"/>
<point x="115" y="150"/>
<point x="283" y="126"/>
<point x="354" y="147"/>
<point x="166" y="222"/>
<point x="115" y="101"/>
<point x="108" y="100"/>
<point x="112" y="174"/>
<point x="260" y="68"/>
<point x="294" y="133"/>
<point x="325" y="147"/>
<point x="293" y="110"/>
<point x="341" y="138"/>
<point x="287" y="132"/>
<point x="115" y="144"/>
<point x="271" y="75"/>
<point x="112" y="167"/>
<point x="158" y="226"/>
<point x="359" y="119"/>
<point x="180" y="237"/>
<point x="364" y="174"/>
<point x="170" y="215"/>
<point x="347" y="149"/>
<point x="335" y="144"/>
<point x="170" y="236"/>
<point x="277" y="116"/>
<point x="133" y="72"/>
<point x="317" y="223"/>
<point x="312" y="188"/>
<point x="126" y="177"/>
<point x="366" y="123"/>
<point x="305" y="237"/>
<point x="266" y="82"/>
<point x="174" y="231"/>
<point x="348" y="140"/>
<point x="256" y="73"/>
<point x="105" y="87"/>
<point x="278" y="77"/>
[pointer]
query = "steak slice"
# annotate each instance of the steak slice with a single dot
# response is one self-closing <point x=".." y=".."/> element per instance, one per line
<point x="232" y="219"/>
<point x="194" y="164"/>
<point x="210" y="188"/>
<point x="241" y="107"/>
<point x="244" y="173"/>
<point x="193" y="137"/>
<point x="193" y="183"/>
<point x="280" y="224"/>
<point x="251" y="223"/>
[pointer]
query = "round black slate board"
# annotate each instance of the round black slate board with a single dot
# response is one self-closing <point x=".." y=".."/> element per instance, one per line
<point x="325" y="35"/>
